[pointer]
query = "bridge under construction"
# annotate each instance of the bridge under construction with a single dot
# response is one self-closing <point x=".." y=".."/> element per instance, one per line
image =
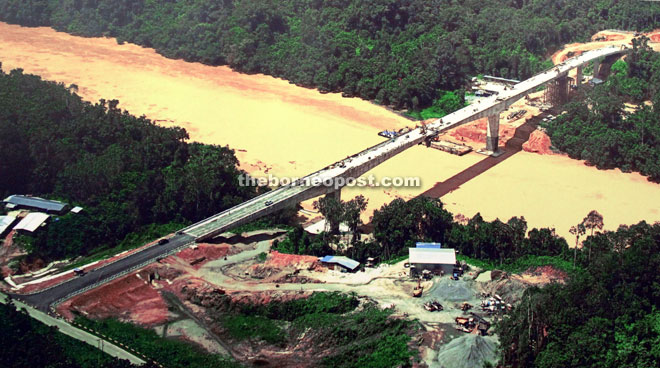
<point x="556" y="79"/>
<point x="325" y="181"/>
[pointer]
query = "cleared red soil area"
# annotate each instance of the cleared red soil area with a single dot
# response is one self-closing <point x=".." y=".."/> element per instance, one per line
<point x="538" y="142"/>
<point x="542" y="275"/>
<point x="281" y="260"/>
<point x="129" y="298"/>
<point x="476" y="132"/>
<point x="205" y="253"/>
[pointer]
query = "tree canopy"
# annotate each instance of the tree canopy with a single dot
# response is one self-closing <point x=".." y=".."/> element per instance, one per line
<point x="125" y="171"/>
<point x="396" y="52"/>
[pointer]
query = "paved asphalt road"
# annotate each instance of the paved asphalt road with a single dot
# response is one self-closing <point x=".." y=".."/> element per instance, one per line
<point x="45" y="298"/>
<point x="76" y="333"/>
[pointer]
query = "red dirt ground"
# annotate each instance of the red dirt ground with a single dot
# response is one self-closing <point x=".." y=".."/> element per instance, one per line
<point x="207" y="251"/>
<point x="655" y="37"/>
<point x="476" y="132"/>
<point x="541" y="276"/>
<point x="129" y="298"/>
<point x="538" y="142"/>
<point x="281" y="260"/>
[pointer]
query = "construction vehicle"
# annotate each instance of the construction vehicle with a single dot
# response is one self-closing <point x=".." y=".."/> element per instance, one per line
<point x="433" y="306"/>
<point x="417" y="291"/>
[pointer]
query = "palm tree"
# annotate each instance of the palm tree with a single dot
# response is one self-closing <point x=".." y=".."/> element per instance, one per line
<point x="592" y="221"/>
<point x="577" y="230"/>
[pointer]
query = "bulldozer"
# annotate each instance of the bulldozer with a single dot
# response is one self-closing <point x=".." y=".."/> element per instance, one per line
<point x="417" y="291"/>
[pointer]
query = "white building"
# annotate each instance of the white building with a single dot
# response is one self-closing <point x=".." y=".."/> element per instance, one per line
<point x="432" y="259"/>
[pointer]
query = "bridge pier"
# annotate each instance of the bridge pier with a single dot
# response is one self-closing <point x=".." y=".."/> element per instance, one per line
<point x="556" y="92"/>
<point x="492" y="136"/>
<point x="596" y="69"/>
<point x="336" y="195"/>
<point x="579" y="75"/>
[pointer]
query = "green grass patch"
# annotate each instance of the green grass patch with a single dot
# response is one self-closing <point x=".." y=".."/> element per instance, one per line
<point x="169" y="352"/>
<point x="522" y="264"/>
<point x="395" y="260"/>
<point x="134" y="240"/>
<point x="242" y="327"/>
<point x="262" y="224"/>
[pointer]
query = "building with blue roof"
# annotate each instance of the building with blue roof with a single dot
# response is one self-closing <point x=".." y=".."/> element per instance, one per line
<point x="428" y="245"/>
<point x="345" y="262"/>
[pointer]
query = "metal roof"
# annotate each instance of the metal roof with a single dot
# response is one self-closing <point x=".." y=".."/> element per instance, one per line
<point x="432" y="256"/>
<point x="32" y="221"/>
<point x="428" y="245"/>
<point x="35" y="202"/>
<point x="341" y="260"/>
<point x="5" y="222"/>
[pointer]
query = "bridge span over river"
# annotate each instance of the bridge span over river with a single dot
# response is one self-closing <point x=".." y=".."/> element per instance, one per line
<point x="314" y="184"/>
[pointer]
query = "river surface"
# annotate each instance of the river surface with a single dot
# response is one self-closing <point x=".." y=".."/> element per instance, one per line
<point x="286" y="130"/>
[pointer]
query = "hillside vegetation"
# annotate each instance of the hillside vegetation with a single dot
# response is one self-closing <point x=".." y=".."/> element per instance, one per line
<point x="27" y="343"/>
<point x="403" y="53"/>
<point x="606" y="316"/>
<point x="129" y="174"/>
<point x="600" y="129"/>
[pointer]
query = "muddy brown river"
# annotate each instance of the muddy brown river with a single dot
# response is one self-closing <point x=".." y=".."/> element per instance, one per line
<point x="283" y="129"/>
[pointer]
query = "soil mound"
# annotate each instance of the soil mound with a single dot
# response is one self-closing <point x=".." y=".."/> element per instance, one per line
<point x="467" y="351"/>
<point x="538" y="142"/>
<point x="281" y="260"/>
<point x="204" y="253"/>
<point x="129" y="298"/>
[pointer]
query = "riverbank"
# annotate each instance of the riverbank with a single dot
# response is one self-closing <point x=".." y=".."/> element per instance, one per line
<point x="282" y="129"/>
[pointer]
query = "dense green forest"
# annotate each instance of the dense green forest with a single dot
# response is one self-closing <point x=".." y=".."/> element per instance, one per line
<point x="126" y="172"/>
<point x="399" y="224"/>
<point x="606" y="316"/>
<point x="600" y="129"/>
<point x="27" y="343"/>
<point x="402" y="53"/>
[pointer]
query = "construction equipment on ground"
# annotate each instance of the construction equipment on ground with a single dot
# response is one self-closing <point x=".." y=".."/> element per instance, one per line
<point x="516" y="114"/>
<point x="474" y="323"/>
<point x="427" y="275"/>
<point x="433" y="306"/>
<point x="495" y="304"/>
<point x="458" y="149"/>
<point x="417" y="291"/>
<point x="465" y="306"/>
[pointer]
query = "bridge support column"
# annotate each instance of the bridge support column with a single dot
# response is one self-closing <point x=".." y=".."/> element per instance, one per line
<point x="578" y="75"/>
<point x="492" y="136"/>
<point x="336" y="195"/>
<point x="596" y="68"/>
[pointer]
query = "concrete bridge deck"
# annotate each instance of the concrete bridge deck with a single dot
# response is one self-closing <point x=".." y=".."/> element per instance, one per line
<point x="356" y="165"/>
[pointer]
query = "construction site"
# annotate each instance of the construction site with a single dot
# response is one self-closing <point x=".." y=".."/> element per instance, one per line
<point x="183" y="295"/>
